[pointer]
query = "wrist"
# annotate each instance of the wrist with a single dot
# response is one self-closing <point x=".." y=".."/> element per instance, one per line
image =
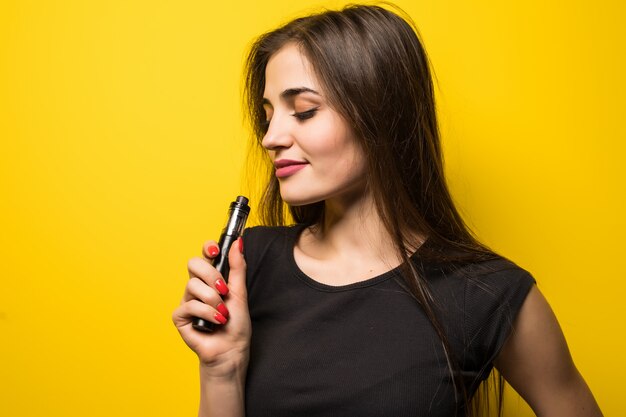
<point x="222" y="389"/>
<point x="226" y="370"/>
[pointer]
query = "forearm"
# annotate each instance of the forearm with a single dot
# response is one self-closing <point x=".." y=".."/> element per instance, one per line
<point x="222" y="396"/>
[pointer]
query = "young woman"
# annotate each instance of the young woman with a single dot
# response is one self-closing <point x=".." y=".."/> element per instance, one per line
<point x="377" y="300"/>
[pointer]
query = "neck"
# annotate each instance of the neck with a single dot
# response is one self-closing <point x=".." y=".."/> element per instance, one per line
<point x="353" y="226"/>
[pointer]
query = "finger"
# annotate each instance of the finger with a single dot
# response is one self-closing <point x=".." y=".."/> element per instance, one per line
<point x="196" y="308"/>
<point x="237" y="275"/>
<point x="199" y="290"/>
<point x="210" y="249"/>
<point x="201" y="268"/>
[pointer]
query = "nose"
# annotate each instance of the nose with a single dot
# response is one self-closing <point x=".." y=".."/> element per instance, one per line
<point x="278" y="134"/>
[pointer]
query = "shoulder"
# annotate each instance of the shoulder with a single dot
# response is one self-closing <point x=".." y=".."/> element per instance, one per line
<point x="268" y="242"/>
<point x="491" y="287"/>
<point x="495" y="292"/>
<point x="261" y="236"/>
<point x="497" y="279"/>
<point x="481" y="300"/>
<point x="494" y="281"/>
<point x="269" y="230"/>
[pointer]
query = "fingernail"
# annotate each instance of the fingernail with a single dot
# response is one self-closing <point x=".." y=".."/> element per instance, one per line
<point x="221" y="307"/>
<point x="221" y="287"/>
<point x="241" y="245"/>
<point x="219" y="317"/>
<point x="213" y="251"/>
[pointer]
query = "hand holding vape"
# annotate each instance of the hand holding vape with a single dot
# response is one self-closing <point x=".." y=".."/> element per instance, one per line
<point x="237" y="216"/>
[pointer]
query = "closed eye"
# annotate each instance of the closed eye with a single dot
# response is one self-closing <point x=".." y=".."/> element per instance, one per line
<point x="304" y="115"/>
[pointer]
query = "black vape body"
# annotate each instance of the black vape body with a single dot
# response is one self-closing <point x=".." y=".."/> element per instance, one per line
<point x="237" y="215"/>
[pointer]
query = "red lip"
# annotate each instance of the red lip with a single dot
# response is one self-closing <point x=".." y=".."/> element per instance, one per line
<point x="281" y="163"/>
<point x="287" y="167"/>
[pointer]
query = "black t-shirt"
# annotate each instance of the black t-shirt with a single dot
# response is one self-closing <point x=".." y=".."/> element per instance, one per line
<point x="368" y="349"/>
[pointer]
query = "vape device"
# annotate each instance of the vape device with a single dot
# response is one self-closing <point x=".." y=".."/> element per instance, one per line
<point x="237" y="216"/>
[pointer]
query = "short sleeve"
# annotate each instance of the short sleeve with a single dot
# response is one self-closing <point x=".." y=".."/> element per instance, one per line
<point x="492" y="302"/>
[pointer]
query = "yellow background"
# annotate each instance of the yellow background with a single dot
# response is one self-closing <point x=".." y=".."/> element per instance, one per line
<point x="122" y="144"/>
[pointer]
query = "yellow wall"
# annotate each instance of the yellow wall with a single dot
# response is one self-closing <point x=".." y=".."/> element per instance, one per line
<point x="122" y="144"/>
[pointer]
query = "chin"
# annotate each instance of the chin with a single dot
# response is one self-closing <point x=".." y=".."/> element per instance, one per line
<point x="300" y="199"/>
<point x="298" y="202"/>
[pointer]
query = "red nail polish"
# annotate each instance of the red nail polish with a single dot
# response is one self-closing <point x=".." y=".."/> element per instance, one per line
<point x="241" y="244"/>
<point x="221" y="307"/>
<point x="220" y="318"/>
<point x="221" y="287"/>
<point x="213" y="251"/>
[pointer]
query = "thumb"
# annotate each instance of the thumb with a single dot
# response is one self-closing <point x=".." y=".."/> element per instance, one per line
<point x="237" y="273"/>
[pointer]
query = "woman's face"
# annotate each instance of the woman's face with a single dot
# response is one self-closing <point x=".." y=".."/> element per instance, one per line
<point x="314" y="152"/>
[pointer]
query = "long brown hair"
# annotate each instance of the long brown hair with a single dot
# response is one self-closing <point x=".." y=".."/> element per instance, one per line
<point x="376" y="75"/>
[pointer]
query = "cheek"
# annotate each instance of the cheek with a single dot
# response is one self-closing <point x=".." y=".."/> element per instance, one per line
<point x="332" y="147"/>
<point x="344" y="162"/>
<point x="330" y="139"/>
<point x="355" y="165"/>
<point x="349" y="151"/>
<point x="320" y="140"/>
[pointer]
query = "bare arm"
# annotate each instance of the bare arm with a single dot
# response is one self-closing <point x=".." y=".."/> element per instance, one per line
<point x="223" y="354"/>
<point x="222" y="395"/>
<point x="537" y="363"/>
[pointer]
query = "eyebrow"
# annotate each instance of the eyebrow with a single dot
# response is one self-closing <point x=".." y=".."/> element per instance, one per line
<point x="292" y="92"/>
